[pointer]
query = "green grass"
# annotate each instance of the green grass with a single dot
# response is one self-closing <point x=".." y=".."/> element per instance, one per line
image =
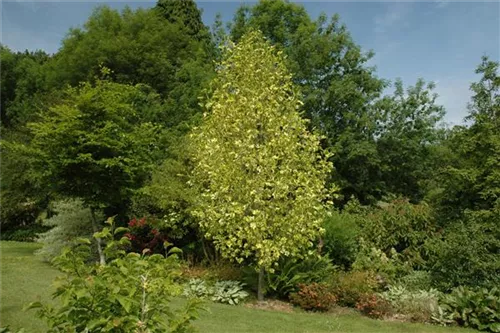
<point x="25" y="278"/>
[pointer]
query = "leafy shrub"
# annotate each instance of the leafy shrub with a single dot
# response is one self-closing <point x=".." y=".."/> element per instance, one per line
<point x="416" y="305"/>
<point x="27" y="233"/>
<point x="390" y="267"/>
<point x="468" y="253"/>
<point x="290" y="273"/>
<point x="71" y="221"/>
<point x="144" y="235"/>
<point x="416" y="280"/>
<point x="350" y="287"/>
<point x="477" y="309"/>
<point x="372" y="305"/>
<point x="228" y="292"/>
<point x="401" y="226"/>
<point x="314" y="297"/>
<point x="130" y="293"/>
<point x="340" y="240"/>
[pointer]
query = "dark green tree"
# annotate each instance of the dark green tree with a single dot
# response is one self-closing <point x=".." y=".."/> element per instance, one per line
<point x="138" y="46"/>
<point x="97" y="144"/>
<point x="408" y="135"/>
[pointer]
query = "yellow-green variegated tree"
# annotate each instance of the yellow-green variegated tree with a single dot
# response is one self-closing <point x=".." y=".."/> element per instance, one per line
<point x="262" y="174"/>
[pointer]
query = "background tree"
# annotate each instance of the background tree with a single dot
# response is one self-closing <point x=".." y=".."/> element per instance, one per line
<point x="407" y="136"/>
<point x="261" y="172"/>
<point x="97" y="144"/>
<point x="139" y="46"/>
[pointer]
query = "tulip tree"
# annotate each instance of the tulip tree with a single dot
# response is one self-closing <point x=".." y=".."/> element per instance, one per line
<point x="262" y="174"/>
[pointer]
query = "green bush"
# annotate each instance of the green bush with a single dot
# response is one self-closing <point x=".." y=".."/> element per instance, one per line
<point x="290" y="273"/>
<point x="351" y="286"/>
<point x="468" y="253"/>
<point x="71" y="221"/>
<point x="417" y="305"/>
<point x="340" y="240"/>
<point x="416" y="280"/>
<point x="401" y="227"/>
<point x="130" y="293"/>
<point x="314" y="297"/>
<point x="28" y="233"/>
<point x="478" y="309"/>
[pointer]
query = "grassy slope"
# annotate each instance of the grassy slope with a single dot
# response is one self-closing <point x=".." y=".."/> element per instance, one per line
<point x="25" y="278"/>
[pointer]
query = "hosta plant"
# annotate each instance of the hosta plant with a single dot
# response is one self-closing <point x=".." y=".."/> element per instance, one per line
<point x="129" y="293"/>
<point x="229" y="292"/>
<point x="197" y="288"/>
<point x="479" y="309"/>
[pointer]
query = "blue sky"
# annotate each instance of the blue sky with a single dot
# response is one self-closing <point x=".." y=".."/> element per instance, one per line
<point x="440" y="41"/>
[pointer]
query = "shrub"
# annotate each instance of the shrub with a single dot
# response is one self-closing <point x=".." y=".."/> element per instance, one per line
<point x="144" y="235"/>
<point x="27" y="233"/>
<point x="468" y="253"/>
<point x="228" y="292"/>
<point x="71" y="221"/>
<point x="350" y="287"/>
<point x="314" y="297"/>
<point x="340" y="240"/>
<point x="390" y="267"/>
<point x="130" y="293"/>
<point x="372" y="305"/>
<point x="416" y="280"/>
<point x="401" y="226"/>
<point x="478" y="309"/>
<point x="415" y="305"/>
<point x="290" y="273"/>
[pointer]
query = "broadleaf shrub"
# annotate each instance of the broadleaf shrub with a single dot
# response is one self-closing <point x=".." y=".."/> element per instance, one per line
<point x="314" y="297"/>
<point x="351" y="286"/>
<point x="372" y="305"/>
<point x="340" y="240"/>
<point x="130" y="293"/>
<point x="479" y="309"/>
<point x="468" y="252"/>
<point x="27" y="233"/>
<point x="144" y="235"/>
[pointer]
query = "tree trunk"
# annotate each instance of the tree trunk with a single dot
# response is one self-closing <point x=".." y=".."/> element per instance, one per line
<point x="260" y="294"/>
<point x="102" y="259"/>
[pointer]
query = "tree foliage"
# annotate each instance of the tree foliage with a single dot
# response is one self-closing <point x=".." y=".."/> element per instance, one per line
<point x="262" y="174"/>
<point x="98" y="143"/>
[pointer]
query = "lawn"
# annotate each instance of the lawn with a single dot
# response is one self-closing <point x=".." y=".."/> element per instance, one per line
<point x="25" y="278"/>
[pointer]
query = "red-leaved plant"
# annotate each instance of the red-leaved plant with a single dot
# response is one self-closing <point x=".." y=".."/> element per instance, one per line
<point x="145" y="237"/>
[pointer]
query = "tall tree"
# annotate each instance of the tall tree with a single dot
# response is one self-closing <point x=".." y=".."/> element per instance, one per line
<point x="337" y="86"/>
<point x="138" y="46"/>
<point x="407" y="136"/>
<point x="187" y="14"/>
<point x="97" y="144"/>
<point x="262" y="173"/>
